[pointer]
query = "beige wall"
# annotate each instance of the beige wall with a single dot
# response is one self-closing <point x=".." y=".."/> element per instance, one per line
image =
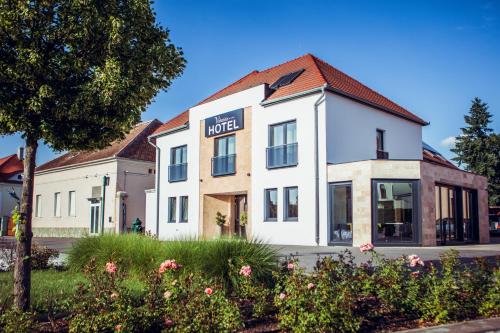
<point x="217" y="193"/>
<point x="432" y="174"/>
<point x="361" y="173"/>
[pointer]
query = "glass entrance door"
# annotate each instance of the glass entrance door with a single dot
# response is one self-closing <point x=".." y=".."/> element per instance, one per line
<point x="94" y="218"/>
<point x="240" y="211"/>
<point x="340" y="213"/>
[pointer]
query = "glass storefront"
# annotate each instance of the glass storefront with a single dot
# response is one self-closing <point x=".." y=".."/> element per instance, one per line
<point x="341" y="213"/>
<point x="395" y="207"/>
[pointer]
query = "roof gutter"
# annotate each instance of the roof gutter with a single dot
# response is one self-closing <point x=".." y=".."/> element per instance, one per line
<point x="158" y="160"/>
<point x="320" y="99"/>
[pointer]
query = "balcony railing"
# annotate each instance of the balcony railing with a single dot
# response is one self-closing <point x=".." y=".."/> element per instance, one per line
<point x="282" y="156"/>
<point x="224" y="165"/>
<point x="382" y="155"/>
<point x="177" y="172"/>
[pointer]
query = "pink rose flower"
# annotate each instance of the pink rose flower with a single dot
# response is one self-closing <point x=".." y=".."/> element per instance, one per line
<point x="366" y="247"/>
<point x="167" y="294"/>
<point x="209" y="291"/>
<point x="169" y="322"/>
<point x="310" y="286"/>
<point x="111" y="267"/>
<point x="415" y="274"/>
<point x="415" y="260"/>
<point x="118" y="328"/>
<point x="282" y="296"/>
<point x="290" y="266"/>
<point x="246" y="271"/>
<point x="167" y="265"/>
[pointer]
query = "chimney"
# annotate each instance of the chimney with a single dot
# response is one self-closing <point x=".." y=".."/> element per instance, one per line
<point x="20" y="153"/>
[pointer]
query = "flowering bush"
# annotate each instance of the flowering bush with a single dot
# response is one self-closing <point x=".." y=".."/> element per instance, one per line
<point x="318" y="302"/>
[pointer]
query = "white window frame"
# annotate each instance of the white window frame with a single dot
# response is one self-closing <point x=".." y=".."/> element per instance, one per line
<point x="57" y="205"/>
<point x="38" y="205"/>
<point x="72" y="203"/>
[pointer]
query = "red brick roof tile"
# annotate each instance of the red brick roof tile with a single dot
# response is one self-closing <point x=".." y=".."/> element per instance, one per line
<point x="10" y="166"/>
<point x="434" y="158"/>
<point x="179" y="120"/>
<point x="134" y="146"/>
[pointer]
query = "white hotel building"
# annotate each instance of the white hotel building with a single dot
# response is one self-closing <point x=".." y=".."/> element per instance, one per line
<point x="313" y="157"/>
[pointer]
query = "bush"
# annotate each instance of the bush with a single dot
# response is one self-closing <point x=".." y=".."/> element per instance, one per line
<point x="41" y="255"/>
<point x="490" y="306"/>
<point x="140" y="254"/>
<point x="318" y="302"/>
<point x="16" y="321"/>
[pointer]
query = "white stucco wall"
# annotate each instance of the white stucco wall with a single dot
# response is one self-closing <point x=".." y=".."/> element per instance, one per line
<point x="352" y="132"/>
<point x="80" y="179"/>
<point x="150" y="212"/>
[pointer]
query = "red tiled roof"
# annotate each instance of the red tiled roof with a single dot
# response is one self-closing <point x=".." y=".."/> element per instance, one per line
<point x="134" y="146"/>
<point x="179" y="120"/>
<point x="316" y="74"/>
<point x="10" y="166"/>
<point x="431" y="157"/>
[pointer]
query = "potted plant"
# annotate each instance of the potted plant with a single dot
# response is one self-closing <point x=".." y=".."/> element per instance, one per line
<point x="243" y="223"/>
<point x="220" y="220"/>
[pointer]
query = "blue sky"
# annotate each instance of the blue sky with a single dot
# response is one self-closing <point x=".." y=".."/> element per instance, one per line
<point x="431" y="57"/>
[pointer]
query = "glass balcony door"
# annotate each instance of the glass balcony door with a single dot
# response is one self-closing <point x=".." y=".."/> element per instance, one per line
<point x="282" y="150"/>
<point x="224" y="161"/>
<point x="340" y="201"/>
<point x="177" y="170"/>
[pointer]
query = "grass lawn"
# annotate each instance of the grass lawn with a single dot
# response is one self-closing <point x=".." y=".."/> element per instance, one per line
<point x="53" y="290"/>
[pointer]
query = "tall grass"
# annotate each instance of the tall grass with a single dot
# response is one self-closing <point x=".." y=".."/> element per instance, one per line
<point x="139" y="254"/>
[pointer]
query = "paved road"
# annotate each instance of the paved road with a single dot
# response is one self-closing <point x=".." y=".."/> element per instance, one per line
<point x="473" y="326"/>
<point x="308" y="255"/>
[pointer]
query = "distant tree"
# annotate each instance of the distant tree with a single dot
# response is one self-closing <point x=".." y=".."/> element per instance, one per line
<point x="476" y="148"/>
<point x="76" y="74"/>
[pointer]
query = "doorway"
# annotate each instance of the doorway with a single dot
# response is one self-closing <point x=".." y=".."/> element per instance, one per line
<point x="240" y="215"/>
<point x="94" y="217"/>
<point x="456" y="215"/>
<point x="340" y="229"/>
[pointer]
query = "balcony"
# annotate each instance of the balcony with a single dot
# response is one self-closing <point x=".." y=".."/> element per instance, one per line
<point x="282" y="156"/>
<point x="224" y="165"/>
<point x="177" y="172"/>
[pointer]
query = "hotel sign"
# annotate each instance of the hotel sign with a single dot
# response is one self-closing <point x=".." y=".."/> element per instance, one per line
<point x="224" y="123"/>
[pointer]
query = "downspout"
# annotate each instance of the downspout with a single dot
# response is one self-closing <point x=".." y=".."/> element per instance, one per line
<point x="158" y="159"/>
<point x="316" y="159"/>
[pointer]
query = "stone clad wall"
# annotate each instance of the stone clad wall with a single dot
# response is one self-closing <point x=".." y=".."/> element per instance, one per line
<point x="432" y="174"/>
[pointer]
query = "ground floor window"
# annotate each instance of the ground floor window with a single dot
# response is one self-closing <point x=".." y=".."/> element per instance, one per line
<point x="340" y="212"/>
<point x="172" y="212"/>
<point x="455" y="210"/>
<point x="291" y="199"/>
<point x="395" y="211"/>
<point x="184" y="209"/>
<point x="271" y="204"/>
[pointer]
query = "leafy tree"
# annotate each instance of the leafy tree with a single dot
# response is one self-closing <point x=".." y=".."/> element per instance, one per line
<point x="76" y="74"/>
<point x="477" y="148"/>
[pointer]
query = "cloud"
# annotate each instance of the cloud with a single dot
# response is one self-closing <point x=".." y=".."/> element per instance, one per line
<point x="448" y="142"/>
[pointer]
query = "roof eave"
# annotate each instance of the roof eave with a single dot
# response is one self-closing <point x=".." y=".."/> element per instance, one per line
<point x="169" y="131"/>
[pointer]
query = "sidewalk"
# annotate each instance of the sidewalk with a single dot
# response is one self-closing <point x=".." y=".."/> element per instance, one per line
<point x="473" y="326"/>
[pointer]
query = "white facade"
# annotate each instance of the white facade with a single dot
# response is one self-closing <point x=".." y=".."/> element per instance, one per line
<point x="346" y="133"/>
<point x="127" y="182"/>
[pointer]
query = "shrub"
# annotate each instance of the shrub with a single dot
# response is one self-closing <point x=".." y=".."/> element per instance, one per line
<point x="141" y="254"/>
<point x="41" y="255"/>
<point x="318" y="302"/>
<point x="16" y="321"/>
<point x="490" y="306"/>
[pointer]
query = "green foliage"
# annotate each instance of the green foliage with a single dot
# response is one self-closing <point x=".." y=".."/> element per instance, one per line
<point x="16" y="321"/>
<point x="490" y="307"/>
<point x="41" y="255"/>
<point x="478" y="150"/>
<point x="324" y="301"/>
<point x="72" y="69"/>
<point x="199" y="305"/>
<point x="243" y="219"/>
<point x="220" y="219"/>
<point x="16" y="219"/>
<point x="140" y="254"/>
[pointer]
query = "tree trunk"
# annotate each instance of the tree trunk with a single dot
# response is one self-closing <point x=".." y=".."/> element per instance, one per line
<point x="22" y="268"/>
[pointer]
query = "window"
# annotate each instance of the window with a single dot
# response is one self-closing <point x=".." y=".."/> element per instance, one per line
<point x="184" y="209"/>
<point x="380" y="140"/>
<point x="271" y="204"/>
<point x="72" y="203"/>
<point x="395" y="206"/>
<point x="172" y="213"/>
<point x="224" y="162"/>
<point x="57" y="204"/>
<point x="341" y="213"/>
<point x="282" y="150"/>
<point x="177" y="170"/>
<point x="38" y="205"/>
<point x="291" y="203"/>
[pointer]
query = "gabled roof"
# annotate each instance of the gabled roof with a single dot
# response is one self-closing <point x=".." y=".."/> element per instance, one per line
<point x="179" y="120"/>
<point x="10" y="166"/>
<point x="316" y="74"/>
<point x="134" y="146"/>
<point x="431" y="155"/>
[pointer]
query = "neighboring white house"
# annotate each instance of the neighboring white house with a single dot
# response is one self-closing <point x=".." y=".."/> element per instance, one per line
<point x="11" y="181"/>
<point x="82" y="193"/>
<point x="308" y="155"/>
